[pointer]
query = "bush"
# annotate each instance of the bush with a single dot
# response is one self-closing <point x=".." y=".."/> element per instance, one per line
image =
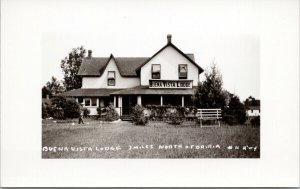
<point x="71" y="109"/>
<point x="86" y="112"/>
<point x="175" y="118"/>
<point x="235" y="113"/>
<point x="58" y="113"/>
<point x="230" y="119"/>
<point x="109" y="113"/>
<point x="58" y="102"/>
<point x="255" y="121"/>
<point x="138" y="116"/>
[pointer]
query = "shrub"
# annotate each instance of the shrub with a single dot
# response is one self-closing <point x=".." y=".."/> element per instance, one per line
<point x="109" y="113"/>
<point x="58" y="113"/>
<point x="112" y="114"/>
<point x="138" y="116"/>
<point x="255" y="121"/>
<point x="58" y="102"/>
<point x="71" y="109"/>
<point x="230" y="119"/>
<point x="175" y="118"/>
<point x="86" y="112"/>
<point x="235" y="113"/>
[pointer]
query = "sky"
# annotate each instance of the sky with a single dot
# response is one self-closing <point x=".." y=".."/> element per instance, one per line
<point x="226" y="33"/>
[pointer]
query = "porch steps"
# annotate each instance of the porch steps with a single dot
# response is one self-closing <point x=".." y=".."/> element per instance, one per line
<point x="126" y="118"/>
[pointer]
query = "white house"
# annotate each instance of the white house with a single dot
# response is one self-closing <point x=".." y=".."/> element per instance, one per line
<point x="253" y="111"/>
<point x="168" y="77"/>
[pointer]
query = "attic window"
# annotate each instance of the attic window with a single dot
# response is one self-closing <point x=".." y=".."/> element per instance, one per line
<point x="155" y="71"/>
<point x="182" y="71"/>
<point x="111" y="78"/>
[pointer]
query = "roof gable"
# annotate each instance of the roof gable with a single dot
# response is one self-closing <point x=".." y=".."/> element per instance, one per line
<point x="92" y="66"/>
<point x="189" y="57"/>
<point x="96" y="66"/>
<point x="127" y="66"/>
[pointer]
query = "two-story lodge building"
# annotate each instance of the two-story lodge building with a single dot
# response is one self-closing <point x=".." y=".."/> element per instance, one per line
<point x="168" y="77"/>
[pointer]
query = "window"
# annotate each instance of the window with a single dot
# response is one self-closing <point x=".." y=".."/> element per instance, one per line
<point x="87" y="102"/>
<point x="155" y="71"/>
<point x="90" y="102"/>
<point x="111" y="78"/>
<point x="182" y="71"/>
<point x="80" y="100"/>
<point x="94" y="101"/>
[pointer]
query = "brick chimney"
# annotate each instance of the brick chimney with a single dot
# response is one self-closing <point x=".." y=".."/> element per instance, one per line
<point x="169" y="37"/>
<point x="90" y="53"/>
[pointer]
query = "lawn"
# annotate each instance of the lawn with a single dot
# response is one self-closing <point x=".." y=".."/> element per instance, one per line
<point x="156" y="140"/>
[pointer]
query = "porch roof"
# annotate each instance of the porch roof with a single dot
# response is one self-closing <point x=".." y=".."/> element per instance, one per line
<point x="140" y="90"/>
<point x="88" y="92"/>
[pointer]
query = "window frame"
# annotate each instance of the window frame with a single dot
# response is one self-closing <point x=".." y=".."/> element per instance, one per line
<point x="85" y="100"/>
<point x="109" y="78"/>
<point x="179" y="71"/>
<point x="152" y="71"/>
<point x="90" y="104"/>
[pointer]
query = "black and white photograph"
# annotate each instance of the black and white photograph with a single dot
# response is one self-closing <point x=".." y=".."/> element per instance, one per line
<point x="149" y="93"/>
<point x="165" y="105"/>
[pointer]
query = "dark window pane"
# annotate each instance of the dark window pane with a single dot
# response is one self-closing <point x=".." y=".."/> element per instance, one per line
<point x="156" y="71"/>
<point x="87" y="102"/>
<point x="94" y="101"/>
<point x="111" y="82"/>
<point x="80" y="100"/>
<point x="182" y="71"/>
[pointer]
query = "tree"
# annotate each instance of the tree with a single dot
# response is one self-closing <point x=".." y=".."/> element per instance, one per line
<point x="251" y="101"/>
<point x="209" y="93"/>
<point x="70" y="66"/>
<point x="235" y="112"/>
<point x="52" y="87"/>
<point x="71" y="109"/>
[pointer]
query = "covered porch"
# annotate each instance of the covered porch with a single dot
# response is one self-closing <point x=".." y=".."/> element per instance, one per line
<point x="92" y="98"/>
<point x="127" y="98"/>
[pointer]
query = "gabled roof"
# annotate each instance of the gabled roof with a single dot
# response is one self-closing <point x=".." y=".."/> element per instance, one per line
<point x="92" y="66"/>
<point x="128" y="66"/>
<point x="190" y="57"/>
<point x="96" y="66"/>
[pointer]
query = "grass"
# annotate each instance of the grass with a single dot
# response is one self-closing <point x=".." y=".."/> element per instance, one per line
<point x="113" y="140"/>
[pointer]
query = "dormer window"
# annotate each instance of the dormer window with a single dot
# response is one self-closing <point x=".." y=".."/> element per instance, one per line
<point x="155" y="71"/>
<point x="182" y="71"/>
<point x="111" y="78"/>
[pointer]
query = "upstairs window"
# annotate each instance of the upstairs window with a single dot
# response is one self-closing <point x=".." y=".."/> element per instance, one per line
<point x="182" y="71"/>
<point x="111" y="78"/>
<point x="155" y="71"/>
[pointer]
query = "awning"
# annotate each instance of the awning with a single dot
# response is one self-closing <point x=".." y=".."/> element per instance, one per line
<point x="139" y="90"/>
<point x="88" y="93"/>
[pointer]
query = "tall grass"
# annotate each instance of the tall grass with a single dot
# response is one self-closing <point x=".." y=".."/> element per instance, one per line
<point x="125" y="134"/>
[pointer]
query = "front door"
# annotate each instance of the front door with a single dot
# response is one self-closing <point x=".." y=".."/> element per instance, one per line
<point x="127" y="103"/>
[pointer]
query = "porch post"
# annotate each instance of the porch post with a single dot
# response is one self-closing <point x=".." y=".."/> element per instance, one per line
<point x="161" y="100"/>
<point x="182" y="101"/>
<point x="76" y="99"/>
<point x="120" y="101"/>
<point x="139" y="100"/>
<point x="120" y="105"/>
<point x="115" y="101"/>
<point x="97" y="102"/>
